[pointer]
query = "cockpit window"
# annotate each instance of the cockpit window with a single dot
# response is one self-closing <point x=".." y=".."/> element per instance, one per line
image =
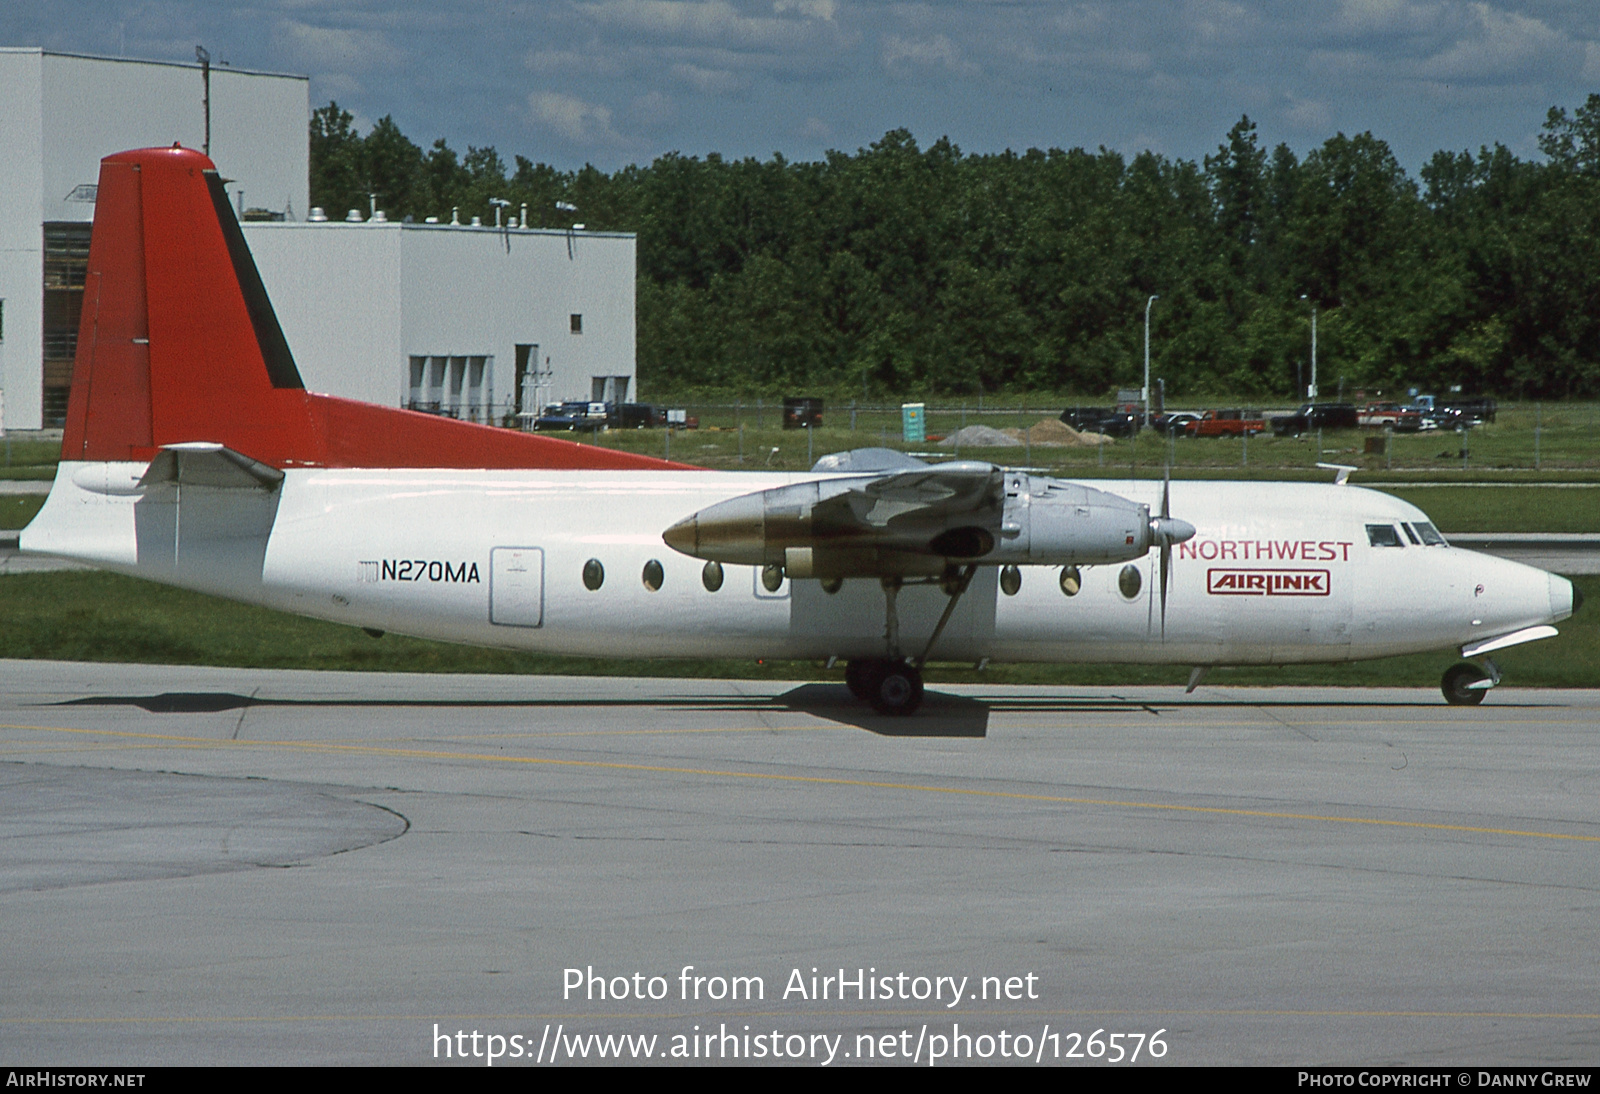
<point x="1412" y="536"/>
<point x="1430" y="535"/>
<point x="1383" y="535"/>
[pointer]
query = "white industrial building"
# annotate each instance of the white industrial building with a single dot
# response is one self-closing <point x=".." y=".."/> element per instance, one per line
<point x="482" y="323"/>
<point x="60" y="114"/>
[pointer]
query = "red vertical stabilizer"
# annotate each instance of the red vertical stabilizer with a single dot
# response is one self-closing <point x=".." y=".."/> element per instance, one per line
<point x="178" y="342"/>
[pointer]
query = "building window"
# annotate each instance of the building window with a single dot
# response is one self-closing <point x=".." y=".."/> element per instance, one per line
<point x="66" y="263"/>
<point x="453" y="386"/>
<point x="577" y="323"/>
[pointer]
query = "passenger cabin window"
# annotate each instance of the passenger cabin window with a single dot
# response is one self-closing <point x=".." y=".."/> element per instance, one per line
<point x="1383" y="535"/>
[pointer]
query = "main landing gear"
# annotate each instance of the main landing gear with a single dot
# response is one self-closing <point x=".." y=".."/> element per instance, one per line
<point x="892" y="687"/>
<point x="1466" y="684"/>
<point x="893" y="684"/>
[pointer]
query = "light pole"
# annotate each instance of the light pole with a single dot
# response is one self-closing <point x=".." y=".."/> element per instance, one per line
<point x="1144" y="392"/>
<point x="1311" y="389"/>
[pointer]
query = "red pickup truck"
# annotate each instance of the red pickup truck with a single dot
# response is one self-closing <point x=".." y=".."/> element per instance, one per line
<point x="1227" y="423"/>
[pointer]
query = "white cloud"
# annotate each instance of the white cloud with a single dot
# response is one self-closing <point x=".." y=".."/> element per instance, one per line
<point x="1501" y="44"/>
<point x="706" y="21"/>
<point x="1307" y="114"/>
<point x="935" y="52"/>
<point x="573" y="119"/>
<point x="709" y="81"/>
<point x="590" y="62"/>
<point x="814" y="129"/>
<point x="1388" y="16"/>
<point x="337" y="47"/>
<point x="815" y="9"/>
<point x="652" y="110"/>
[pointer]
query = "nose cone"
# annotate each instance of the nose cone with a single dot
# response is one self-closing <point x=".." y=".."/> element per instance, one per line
<point x="683" y="537"/>
<point x="732" y="531"/>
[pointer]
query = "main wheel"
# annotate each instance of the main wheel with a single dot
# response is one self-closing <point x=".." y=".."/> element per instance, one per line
<point x="1455" y="686"/>
<point x="898" y="690"/>
<point x="859" y="677"/>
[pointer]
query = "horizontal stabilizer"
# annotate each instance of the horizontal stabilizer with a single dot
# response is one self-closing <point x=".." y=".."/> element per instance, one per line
<point x="205" y="463"/>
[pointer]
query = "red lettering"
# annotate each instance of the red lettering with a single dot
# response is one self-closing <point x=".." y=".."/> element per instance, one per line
<point x="1230" y="549"/>
<point x="1306" y="549"/>
<point x="1212" y="546"/>
<point x="1288" y="550"/>
<point x="1186" y="550"/>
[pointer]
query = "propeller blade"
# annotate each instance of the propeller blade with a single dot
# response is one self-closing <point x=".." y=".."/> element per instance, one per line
<point x="1166" y="563"/>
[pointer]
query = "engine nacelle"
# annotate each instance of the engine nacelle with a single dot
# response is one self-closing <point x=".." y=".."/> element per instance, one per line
<point x="919" y="522"/>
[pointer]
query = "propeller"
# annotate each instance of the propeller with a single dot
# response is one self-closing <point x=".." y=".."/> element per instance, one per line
<point x="1166" y="530"/>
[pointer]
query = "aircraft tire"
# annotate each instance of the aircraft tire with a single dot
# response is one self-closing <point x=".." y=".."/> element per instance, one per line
<point x="859" y="676"/>
<point x="897" y="689"/>
<point x="1454" y="685"/>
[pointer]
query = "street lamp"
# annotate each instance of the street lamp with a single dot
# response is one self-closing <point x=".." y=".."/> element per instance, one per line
<point x="1144" y="392"/>
<point x="1311" y="389"/>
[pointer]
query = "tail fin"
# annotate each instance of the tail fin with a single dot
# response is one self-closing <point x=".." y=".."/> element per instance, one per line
<point x="179" y="343"/>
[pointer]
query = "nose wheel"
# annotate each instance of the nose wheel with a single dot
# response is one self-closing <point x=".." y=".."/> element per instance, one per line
<point x="892" y="687"/>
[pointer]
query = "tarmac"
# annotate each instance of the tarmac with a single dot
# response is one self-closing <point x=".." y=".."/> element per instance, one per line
<point x="215" y="866"/>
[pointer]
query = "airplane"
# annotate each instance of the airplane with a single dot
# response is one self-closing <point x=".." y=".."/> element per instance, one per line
<point x="193" y="455"/>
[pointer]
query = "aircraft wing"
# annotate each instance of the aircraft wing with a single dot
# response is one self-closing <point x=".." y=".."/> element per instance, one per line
<point x="968" y="493"/>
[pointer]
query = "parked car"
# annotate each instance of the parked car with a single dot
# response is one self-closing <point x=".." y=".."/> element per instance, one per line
<point x="1111" y="421"/>
<point x="1313" y="416"/>
<point x="635" y="416"/>
<point x="1175" y="422"/>
<point x="572" y="416"/>
<point x="1227" y="423"/>
<point x="1454" y="412"/>
<point x="1401" y="419"/>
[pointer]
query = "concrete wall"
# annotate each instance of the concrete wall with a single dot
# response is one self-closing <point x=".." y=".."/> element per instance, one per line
<point x="61" y="113"/>
<point x="93" y="107"/>
<point x="357" y="301"/>
<point x="21" y="236"/>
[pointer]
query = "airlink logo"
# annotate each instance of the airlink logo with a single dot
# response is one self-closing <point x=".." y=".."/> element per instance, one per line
<point x="1267" y="582"/>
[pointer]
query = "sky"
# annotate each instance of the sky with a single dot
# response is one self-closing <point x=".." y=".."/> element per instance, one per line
<point x="612" y="82"/>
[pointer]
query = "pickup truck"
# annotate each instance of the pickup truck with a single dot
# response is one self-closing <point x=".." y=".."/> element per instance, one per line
<point x="1227" y="423"/>
<point x="1401" y="419"/>
<point x="1454" y="412"/>
<point x="1313" y="416"/>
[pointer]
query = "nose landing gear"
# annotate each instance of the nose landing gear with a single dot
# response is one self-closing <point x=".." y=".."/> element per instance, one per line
<point x="1466" y="684"/>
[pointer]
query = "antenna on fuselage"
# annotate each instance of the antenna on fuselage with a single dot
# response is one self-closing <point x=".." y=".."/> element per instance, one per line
<point x="1343" y="471"/>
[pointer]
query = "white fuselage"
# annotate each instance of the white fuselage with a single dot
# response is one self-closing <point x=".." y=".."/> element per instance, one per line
<point x="1275" y="573"/>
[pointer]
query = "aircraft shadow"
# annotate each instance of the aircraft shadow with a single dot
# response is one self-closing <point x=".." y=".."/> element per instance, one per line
<point x="941" y="715"/>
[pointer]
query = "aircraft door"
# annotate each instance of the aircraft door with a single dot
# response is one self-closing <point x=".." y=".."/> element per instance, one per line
<point x="516" y="586"/>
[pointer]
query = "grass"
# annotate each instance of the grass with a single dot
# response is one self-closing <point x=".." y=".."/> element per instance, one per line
<point x="16" y="511"/>
<point x="86" y="616"/>
<point x="1545" y="442"/>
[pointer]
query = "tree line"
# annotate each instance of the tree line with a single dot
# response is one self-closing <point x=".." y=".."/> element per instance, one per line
<point x="905" y="269"/>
